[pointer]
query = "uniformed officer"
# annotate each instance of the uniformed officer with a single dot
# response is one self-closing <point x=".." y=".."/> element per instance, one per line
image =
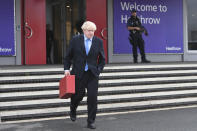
<point x="136" y="29"/>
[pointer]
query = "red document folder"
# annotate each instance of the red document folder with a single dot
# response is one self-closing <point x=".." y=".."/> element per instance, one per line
<point x="67" y="87"/>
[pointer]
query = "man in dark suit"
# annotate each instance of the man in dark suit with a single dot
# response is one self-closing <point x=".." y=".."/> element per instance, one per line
<point x="86" y="55"/>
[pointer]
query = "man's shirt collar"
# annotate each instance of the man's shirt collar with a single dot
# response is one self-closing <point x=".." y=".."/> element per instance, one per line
<point x="85" y="38"/>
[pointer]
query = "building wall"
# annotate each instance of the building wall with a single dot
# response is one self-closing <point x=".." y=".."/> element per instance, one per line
<point x="113" y="58"/>
<point x="18" y="32"/>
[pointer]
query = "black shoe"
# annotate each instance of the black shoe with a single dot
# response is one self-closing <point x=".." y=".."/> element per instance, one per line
<point x="135" y="61"/>
<point x="73" y="115"/>
<point x="146" y="61"/>
<point x="91" y="126"/>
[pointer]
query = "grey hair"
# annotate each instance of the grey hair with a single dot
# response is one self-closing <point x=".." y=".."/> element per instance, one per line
<point x="88" y="25"/>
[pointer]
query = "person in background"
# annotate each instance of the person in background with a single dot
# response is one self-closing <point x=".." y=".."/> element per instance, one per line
<point x="86" y="55"/>
<point x="78" y="26"/>
<point x="49" y="43"/>
<point x="136" y="29"/>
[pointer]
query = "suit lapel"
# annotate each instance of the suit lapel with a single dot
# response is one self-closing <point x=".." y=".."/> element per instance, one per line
<point x="82" y="46"/>
<point x="92" y="46"/>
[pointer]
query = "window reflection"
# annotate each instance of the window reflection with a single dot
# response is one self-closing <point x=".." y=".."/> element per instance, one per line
<point x="192" y="24"/>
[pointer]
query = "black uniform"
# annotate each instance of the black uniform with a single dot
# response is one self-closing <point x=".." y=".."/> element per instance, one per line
<point x="136" y="39"/>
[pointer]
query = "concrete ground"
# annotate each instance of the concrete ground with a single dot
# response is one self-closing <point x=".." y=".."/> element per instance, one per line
<point x="184" y="119"/>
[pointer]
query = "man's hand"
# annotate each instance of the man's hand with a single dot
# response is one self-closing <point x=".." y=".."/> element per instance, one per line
<point x="66" y="72"/>
<point x="133" y="28"/>
<point x="146" y="33"/>
<point x="137" y="28"/>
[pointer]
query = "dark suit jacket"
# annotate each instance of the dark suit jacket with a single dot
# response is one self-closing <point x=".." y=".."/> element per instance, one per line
<point x="76" y="56"/>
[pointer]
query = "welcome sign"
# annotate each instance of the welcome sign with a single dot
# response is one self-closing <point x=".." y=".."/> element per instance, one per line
<point x="163" y="20"/>
<point x="7" y="45"/>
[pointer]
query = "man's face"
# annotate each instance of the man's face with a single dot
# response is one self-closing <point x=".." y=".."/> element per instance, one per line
<point x="89" y="33"/>
<point x="134" y="14"/>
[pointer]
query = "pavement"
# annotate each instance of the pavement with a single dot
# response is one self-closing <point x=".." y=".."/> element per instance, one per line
<point x="184" y="119"/>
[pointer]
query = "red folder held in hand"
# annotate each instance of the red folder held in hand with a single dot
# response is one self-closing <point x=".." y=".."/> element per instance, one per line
<point x="67" y="87"/>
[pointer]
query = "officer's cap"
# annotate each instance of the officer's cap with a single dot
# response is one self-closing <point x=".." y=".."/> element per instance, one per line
<point x="133" y="11"/>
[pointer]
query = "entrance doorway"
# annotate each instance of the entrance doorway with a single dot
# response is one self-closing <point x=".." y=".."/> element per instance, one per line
<point x="47" y="35"/>
<point x="63" y="20"/>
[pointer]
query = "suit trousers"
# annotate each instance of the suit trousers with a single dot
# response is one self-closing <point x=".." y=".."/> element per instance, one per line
<point x="138" y="42"/>
<point x="89" y="82"/>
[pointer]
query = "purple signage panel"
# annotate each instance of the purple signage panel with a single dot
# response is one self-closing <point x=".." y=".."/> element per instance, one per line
<point x="162" y="18"/>
<point x="7" y="45"/>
